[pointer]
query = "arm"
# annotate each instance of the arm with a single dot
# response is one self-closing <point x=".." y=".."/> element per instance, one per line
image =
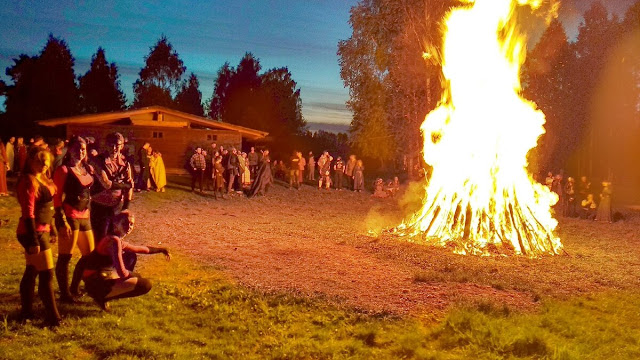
<point x="115" y="249"/>
<point x="142" y="249"/>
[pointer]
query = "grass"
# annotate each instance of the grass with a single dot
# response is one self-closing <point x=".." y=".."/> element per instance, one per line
<point x="194" y="312"/>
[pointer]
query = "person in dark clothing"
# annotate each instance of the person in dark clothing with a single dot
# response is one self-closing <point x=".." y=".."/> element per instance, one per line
<point x="338" y="170"/>
<point x="198" y="165"/>
<point x="294" y="169"/>
<point x="232" y="169"/>
<point x="109" y="271"/>
<point x="143" y="161"/>
<point x="253" y="158"/>
<point x="73" y="180"/>
<point x="264" y="177"/>
<point x="113" y="186"/>
<point x="36" y="231"/>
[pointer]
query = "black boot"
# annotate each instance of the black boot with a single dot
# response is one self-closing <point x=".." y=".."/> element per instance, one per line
<point x="27" y="292"/>
<point x="45" y="291"/>
<point x="62" y="275"/>
<point x="77" y="276"/>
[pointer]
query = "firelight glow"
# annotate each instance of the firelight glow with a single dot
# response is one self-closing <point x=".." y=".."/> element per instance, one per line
<point x="480" y="199"/>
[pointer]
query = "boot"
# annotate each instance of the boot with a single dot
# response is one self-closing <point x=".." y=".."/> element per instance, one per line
<point x="28" y="292"/>
<point x="62" y="275"/>
<point x="77" y="276"/>
<point x="45" y="291"/>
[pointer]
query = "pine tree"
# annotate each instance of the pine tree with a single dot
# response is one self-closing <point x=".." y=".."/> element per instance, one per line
<point x="160" y="78"/>
<point x="100" y="88"/>
<point x="189" y="98"/>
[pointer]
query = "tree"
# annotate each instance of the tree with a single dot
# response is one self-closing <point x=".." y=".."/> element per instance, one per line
<point x="160" y="78"/>
<point x="221" y="89"/>
<point x="284" y="107"/>
<point x="43" y="87"/>
<point x="189" y="98"/>
<point x="100" y="87"/>
<point x="546" y="79"/>
<point x="391" y="86"/>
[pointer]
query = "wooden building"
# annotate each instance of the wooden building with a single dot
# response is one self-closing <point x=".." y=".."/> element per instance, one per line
<point x="174" y="133"/>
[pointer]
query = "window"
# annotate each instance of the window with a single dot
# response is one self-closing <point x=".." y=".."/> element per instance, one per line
<point x="158" y="135"/>
<point x="212" y="137"/>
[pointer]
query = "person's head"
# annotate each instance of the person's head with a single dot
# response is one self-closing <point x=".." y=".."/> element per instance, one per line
<point x="339" y="158"/>
<point x="115" y="143"/>
<point x="12" y="139"/>
<point x="559" y="177"/>
<point x="570" y="180"/>
<point x="352" y="157"/>
<point x="606" y="184"/>
<point x="590" y="197"/>
<point x="253" y="149"/>
<point x="218" y="159"/>
<point x="359" y="162"/>
<point x="265" y="152"/>
<point x="20" y="140"/>
<point x="234" y="151"/>
<point x="325" y="153"/>
<point x="549" y="174"/>
<point x="146" y="145"/>
<point x="395" y="179"/>
<point x="122" y="224"/>
<point x="204" y="152"/>
<point x="583" y="179"/>
<point x="198" y="150"/>
<point x="214" y="145"/>
<point x="38" y="162"/>
<point x="149" y="150"/>
<point x="38" y="140"/>
<point x="76" y="150"/>
<point x="58" y="147"/>
<point x="310" y="153"/>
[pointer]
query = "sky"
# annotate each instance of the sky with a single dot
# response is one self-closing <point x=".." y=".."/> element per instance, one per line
<point x="299" y="34"/>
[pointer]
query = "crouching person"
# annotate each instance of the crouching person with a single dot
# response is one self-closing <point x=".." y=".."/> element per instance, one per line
<point x="108" y="273"/>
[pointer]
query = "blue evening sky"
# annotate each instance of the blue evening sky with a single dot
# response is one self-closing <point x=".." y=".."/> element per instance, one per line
<point x="299" y="34"/>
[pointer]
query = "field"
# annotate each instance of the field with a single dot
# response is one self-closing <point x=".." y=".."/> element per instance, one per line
<point x="303" y="274"/>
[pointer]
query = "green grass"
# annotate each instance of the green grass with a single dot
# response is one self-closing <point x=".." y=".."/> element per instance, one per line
<point x="193" y="312"/>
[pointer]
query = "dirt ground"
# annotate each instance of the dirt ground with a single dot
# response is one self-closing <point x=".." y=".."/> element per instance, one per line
<point x="318" y="244"/>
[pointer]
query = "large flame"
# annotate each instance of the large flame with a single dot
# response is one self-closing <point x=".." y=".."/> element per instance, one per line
<point x="480" y="196"/>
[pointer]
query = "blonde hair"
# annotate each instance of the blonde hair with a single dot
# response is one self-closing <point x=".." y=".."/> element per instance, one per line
<point x="36" y="160"/>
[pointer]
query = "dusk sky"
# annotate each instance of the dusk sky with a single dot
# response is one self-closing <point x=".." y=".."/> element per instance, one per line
<point x="301" y="35"/>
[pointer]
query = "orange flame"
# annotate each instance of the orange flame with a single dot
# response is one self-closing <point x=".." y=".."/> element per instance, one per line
<point x="480" y="195"/>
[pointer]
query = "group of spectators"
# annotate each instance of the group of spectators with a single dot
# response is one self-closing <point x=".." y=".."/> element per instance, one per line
<point x="228" y="171"/>
<point x="76" y="199"/>
<point x="577" y="200"/>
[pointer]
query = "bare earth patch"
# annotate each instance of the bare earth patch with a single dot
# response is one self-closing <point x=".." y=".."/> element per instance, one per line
<point x="316" y="243"/>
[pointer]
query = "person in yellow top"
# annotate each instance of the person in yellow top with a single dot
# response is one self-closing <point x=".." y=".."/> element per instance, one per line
<point x="158" y="173"/>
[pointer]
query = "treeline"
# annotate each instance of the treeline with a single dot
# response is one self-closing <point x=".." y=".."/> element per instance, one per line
<point x="45" y="86"/>
<point x="588" y="87"/>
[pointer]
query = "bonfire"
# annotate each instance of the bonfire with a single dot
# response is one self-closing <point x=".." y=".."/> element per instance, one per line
<point x="480" y="198"/>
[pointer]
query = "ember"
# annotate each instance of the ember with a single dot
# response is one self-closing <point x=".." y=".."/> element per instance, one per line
<point x="480" y="199"/>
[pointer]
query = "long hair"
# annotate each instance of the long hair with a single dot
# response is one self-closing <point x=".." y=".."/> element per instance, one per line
<point x="74" y="143"/>
<point x="37" y="157"/>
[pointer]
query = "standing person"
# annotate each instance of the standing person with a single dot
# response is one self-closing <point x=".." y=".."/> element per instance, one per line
<point x="324" y="168"/>
<point x="349" y="168"/>
<point x="253" y="162"/>
<point x="73" y="179"/>
<point x="242" y="166"/>
<point x="21" y="154"/>
<point x="338" y="170"/>
<point x="11" y="153"/>
<point x="293" y="171"/>
<point x="246" y="179"/>
<point x="58" y="154"/>
<point x="143" y="161"/>
<point x="264" y="177"/>
<point x="198" y="165"/>
<point x="232" y="169"/>
<point x="570" y="197"/>
<point x="557" y="187"/>
<point x="109" y="273"/>
<point x="4" y="167"/>
<point x="208" y="171"/>
<point x="218" y="174"/>
<point x="311" y="163"/>
<point x="358" y="176"/>
<point x="301" y="166"/>
<point x="35" y="191"/>
<point x="604" y="207"/>
<point x="158" y="172"/>
<point x="112" y="190"/>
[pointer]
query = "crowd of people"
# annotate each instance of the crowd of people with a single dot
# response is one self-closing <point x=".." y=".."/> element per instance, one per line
<point x="577" y="199"/>
<point x="228" y="171"/>
<point x="73" y="199"/>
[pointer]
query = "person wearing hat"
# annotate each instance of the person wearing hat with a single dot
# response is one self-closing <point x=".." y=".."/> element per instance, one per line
<point x="113" y="186"/>
<point x="338" y="169"/>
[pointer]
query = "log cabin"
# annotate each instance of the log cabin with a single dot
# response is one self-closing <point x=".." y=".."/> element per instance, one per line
<point x="173" y="133"/>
